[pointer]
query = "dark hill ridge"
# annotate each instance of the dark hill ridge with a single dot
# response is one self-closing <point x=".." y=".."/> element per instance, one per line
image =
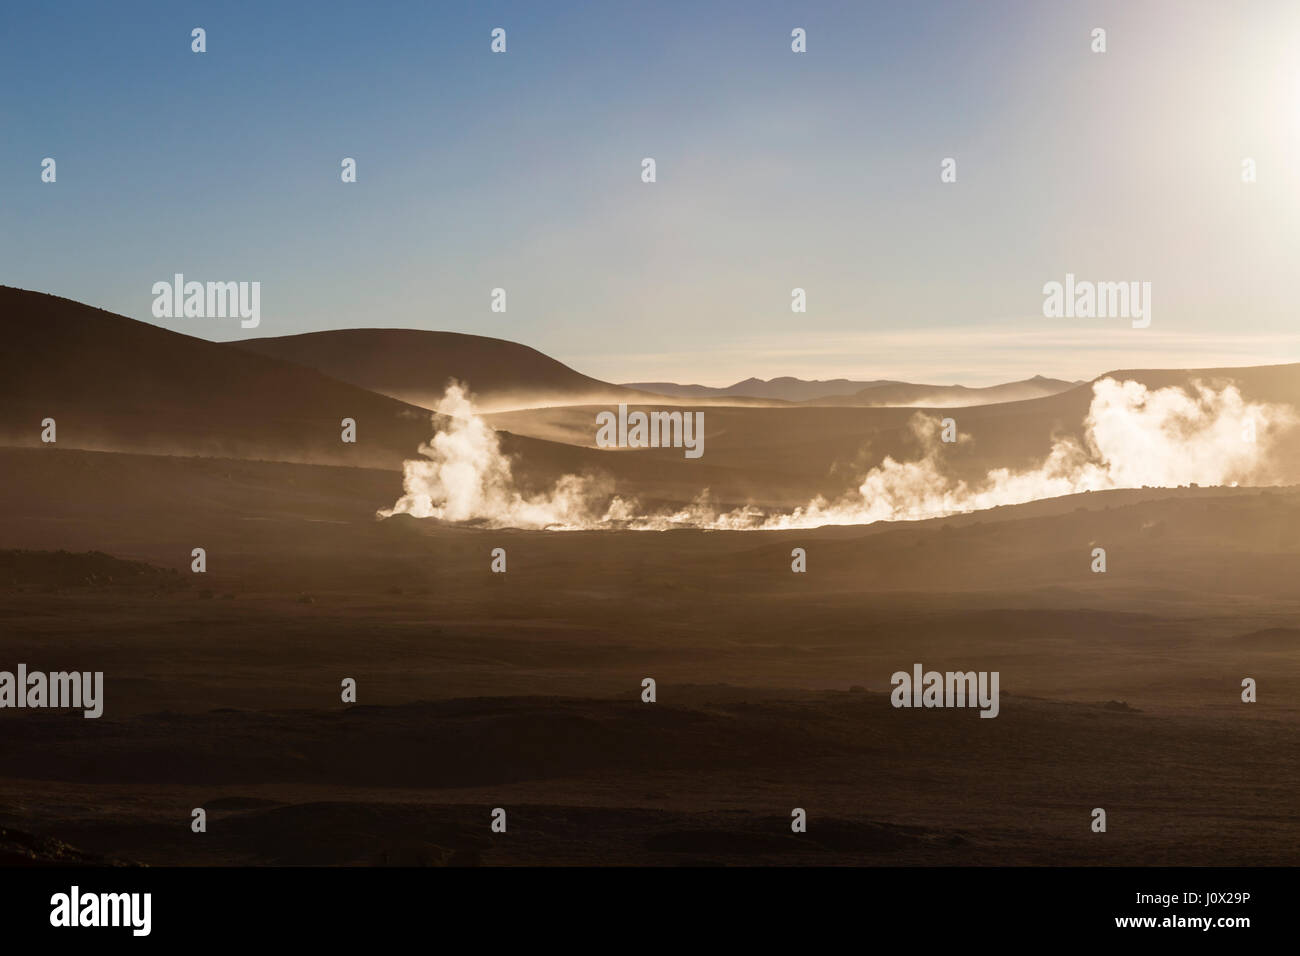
<point x="113" y="383"/>
<point x="415" y="366"/>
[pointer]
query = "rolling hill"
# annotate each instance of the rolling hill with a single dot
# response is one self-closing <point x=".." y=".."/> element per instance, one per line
<point x="415" y="367"/>
<point x="115" y="384"/>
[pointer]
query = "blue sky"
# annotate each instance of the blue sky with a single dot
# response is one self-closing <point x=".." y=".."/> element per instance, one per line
<point x="775" y="170"/>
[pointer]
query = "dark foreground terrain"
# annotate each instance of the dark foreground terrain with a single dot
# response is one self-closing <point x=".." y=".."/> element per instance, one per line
<point x="523" y="690"/>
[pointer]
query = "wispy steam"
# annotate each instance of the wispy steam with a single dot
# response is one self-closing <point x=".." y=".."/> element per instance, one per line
<point x="464" y="476"/>
<point x="1133" y="436"/>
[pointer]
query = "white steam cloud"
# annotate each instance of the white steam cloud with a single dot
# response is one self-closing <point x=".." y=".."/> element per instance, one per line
<point x="1133" y="436"/>
<point x="465" y="477"/>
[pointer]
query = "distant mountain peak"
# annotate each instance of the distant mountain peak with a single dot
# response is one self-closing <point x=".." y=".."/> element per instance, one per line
<point x="843" y="391"/>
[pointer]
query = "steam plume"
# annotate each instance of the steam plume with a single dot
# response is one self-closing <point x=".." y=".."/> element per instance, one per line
<point x="1133" y="436"/>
